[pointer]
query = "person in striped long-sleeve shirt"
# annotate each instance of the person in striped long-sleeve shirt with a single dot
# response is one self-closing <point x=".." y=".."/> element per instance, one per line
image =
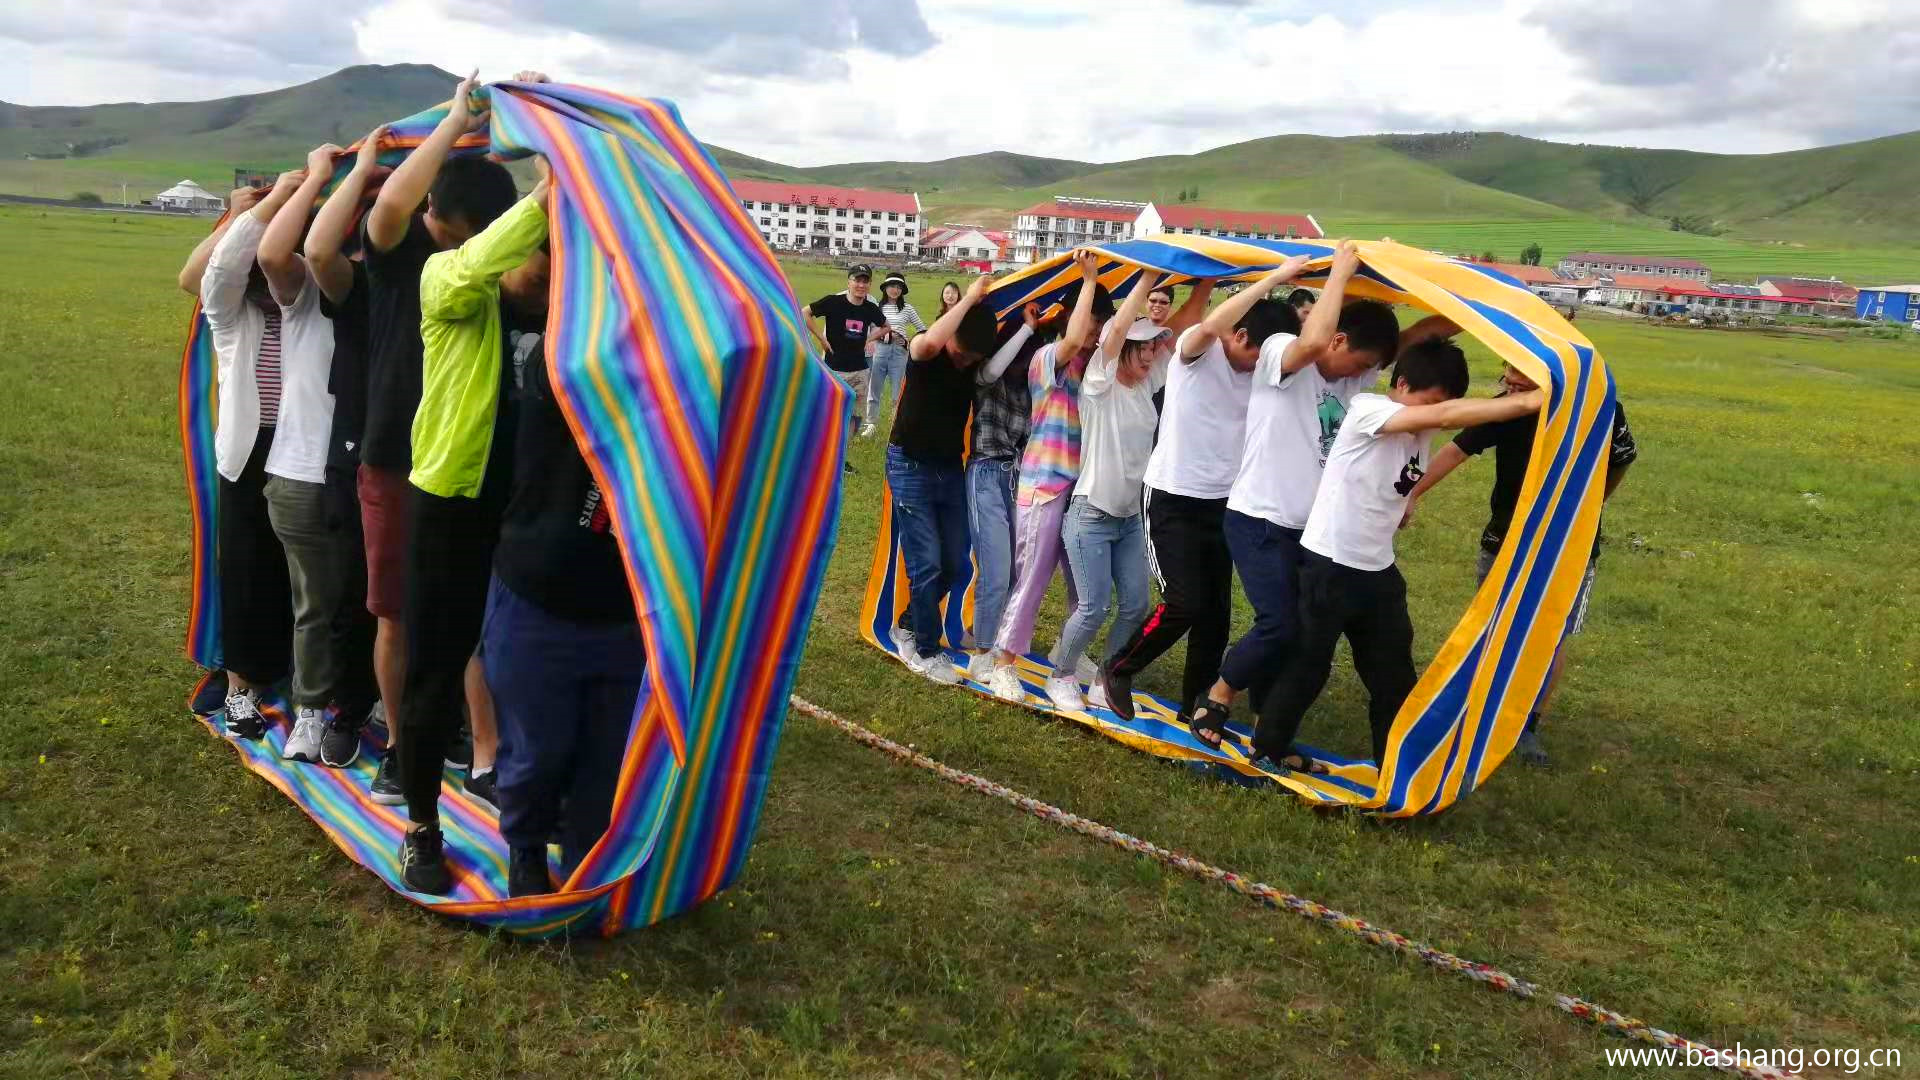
<point x="890" y="348"/>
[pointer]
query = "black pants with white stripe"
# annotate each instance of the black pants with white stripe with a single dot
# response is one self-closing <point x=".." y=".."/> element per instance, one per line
<point x="1189" y="556"/>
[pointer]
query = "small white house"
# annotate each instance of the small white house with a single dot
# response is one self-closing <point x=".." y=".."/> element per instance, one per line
<point x="187" y="195"/>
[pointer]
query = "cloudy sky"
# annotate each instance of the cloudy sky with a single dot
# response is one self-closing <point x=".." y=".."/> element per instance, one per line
<point x="816" y="81"/>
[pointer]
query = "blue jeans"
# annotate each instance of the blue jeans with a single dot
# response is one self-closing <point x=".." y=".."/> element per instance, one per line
<point x="1268" y="559"/>
<point x="564" y="692"/>
<point x="889" y="374"/>
<point x="930" y="517"/>
<point x="990" y="492"/>
<point x="1105" y="554"/>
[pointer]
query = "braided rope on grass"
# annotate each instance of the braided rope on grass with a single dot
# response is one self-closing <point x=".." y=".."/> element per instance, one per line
<point x="1314" y="911"/>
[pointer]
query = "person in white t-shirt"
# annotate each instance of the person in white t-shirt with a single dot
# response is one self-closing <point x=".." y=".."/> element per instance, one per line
<point x="1301" y="386"/>
<point x="1202" y="429"/>
<point x="1349" y="584"/>
<point x="1103" y="528"/>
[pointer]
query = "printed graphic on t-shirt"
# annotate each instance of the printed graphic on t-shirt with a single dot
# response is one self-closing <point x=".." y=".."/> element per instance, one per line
<point x="1410" y="475"/>
<point x="1332" y="411"/>
<point x="593" y="511"/>
<point x="856" y="328"/>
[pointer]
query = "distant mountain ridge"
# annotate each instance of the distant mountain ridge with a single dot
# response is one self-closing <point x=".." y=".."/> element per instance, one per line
<point x="1852" y="195"/>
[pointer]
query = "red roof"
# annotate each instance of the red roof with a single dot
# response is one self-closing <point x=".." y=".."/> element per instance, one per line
<point x="822" y="195"/>
<point x="1540" y="275"/>
<point x="1193" y="217"/>
<point x="1646" y="282"/>
<point x="1056" y="208"/>
<point x="1819" y="290"/>
<point x="1635" y="260"/>
<point x="943" y="235"/>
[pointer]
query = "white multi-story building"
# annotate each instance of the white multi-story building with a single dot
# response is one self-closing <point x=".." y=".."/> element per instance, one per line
<point x="1597" y="264"/>
<point x="1063" y="223"/>
<point x="833" y="220"/>
<point x="1245" y="224"/>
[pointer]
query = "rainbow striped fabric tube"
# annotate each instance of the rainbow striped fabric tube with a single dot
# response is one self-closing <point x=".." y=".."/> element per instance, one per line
<point x="678" y="354"/>
<point x="1466" y="714"/>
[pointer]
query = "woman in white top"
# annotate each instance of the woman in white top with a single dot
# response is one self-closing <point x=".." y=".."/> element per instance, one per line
<point x="890" y="348"/>
<point x="1104" y="528"/>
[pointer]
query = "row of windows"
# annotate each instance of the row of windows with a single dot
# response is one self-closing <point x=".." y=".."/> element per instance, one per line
<point x="790" y="240"/>
<point x="1640" y="268"/>
<point x="801" y="208"/>
<point x="768" y="223"/>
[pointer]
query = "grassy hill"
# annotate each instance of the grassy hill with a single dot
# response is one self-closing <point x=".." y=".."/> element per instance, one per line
<point x="1836" y="209"/>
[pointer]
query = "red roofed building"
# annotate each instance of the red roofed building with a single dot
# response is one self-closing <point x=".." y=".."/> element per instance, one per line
<point x="1203" y="221"/>
<point x="1546" y="282"/>
<point x="1598" y="264"/>
<point x="971" y="246"/>
<point x="835" y="220"/>
<point x="1819" y="296"/>
<point x="1063" y="223"/>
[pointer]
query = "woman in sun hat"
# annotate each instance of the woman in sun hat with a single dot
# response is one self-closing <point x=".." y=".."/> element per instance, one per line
<point x="890" y="348"/>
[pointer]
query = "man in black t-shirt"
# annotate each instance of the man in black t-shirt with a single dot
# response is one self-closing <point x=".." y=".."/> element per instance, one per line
<point x="1512" y="445"/>
<point x="852" y="323"/>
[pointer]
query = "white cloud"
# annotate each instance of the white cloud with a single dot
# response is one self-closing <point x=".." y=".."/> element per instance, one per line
<point x="1101" y="80"/>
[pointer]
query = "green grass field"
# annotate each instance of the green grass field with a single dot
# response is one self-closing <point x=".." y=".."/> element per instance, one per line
<point x="1725" y="848"/>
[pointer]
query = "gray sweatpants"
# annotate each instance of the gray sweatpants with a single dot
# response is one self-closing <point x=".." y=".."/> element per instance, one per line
<point x="317" y="569"/>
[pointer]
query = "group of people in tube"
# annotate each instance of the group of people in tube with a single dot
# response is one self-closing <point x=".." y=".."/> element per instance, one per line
<point x="404" y="523"/>
<point x="1178" y="443"/>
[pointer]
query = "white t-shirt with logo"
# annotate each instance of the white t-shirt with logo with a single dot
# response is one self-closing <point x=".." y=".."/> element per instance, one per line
<point x="1203" y="424"/>
<point x="1291" y="423"/>
<point x="1116" y="435"/>
<point x="1364" y="493"/>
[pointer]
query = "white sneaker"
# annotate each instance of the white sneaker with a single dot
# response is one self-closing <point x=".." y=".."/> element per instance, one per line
<point x="936" y="667"/>
<point x="905" y="643"/>
<point x="1087" y="671"/>
<point x="1097" y="695"/>
<point x="304" y="743"/>
<point x="866" y="431"/>
<point x="1065" y="694"/>
<point x="981" y="667"/>
<point x="1005" y="683"/>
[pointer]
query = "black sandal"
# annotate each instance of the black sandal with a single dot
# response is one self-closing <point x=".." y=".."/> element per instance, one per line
<point x="1284" y="761"/>
<point x="1211" y="719"/>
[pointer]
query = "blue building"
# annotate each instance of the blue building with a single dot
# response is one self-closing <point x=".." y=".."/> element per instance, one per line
<point x="1889" y="303"/>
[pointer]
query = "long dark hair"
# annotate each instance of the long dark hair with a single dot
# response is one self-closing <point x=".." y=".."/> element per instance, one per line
<point x="955" y="286"/>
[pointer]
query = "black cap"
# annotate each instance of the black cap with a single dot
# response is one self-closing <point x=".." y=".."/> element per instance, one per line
<point x="860" y="270"/>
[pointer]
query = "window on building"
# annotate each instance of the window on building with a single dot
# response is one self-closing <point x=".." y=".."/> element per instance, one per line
<point x="784" y="222"/>
<point x="840" y="212"/>
<point x="784" y="209"/>
<point x="859" y="213"/>
<point x="892" y="231"/>
<point x="766" y="206"/>
<point x="840" y="228"/>
<point x="893" y="245"/>
<point x="893" y="215"/>
<point x="766" y="223"/>
<point x="873" y="245"/>
<point x="785" y="239"/>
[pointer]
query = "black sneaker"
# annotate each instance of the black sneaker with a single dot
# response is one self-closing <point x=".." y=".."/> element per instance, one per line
<point x="243" y="715"/>
<point x="423" y="866"/>
<point x="386" y="787"/>
<point x="527" y="872"/>
<point x="340" y="741"/>
<point x="1119" y="692"/>
<point x="482" y="786"/>
<point x="460" y="749"/>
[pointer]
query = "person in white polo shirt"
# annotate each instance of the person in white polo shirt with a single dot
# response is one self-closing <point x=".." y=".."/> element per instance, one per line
<point x="1348" y="582"/>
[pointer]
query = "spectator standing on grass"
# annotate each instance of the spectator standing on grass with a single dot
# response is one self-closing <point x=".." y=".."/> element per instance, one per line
<point x="462" y="196"/>
<point x="925" y="475"/>
<point x="1349" y="585"/>
<point x="853" y="322"/>
<point x="890" y="349"/>
<point x="1105" y="538"/>
<point x="1512" y="444"/>
<point x="949" y="296"/>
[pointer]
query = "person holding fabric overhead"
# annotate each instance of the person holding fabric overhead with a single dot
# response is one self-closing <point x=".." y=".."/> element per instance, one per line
<point x="1001" y="418"/>
<point x="924" y="473"/>
<point x="889" y="369"/>
<point x="1512" y="445"/>
<point x="1048" y="468"/>
<point x="462" y="476"/>
<point x="461" y="196"/>
<point x="1195" y="461"/>
<point x="1349" y="583"/>
<point x="1104" y="535"/>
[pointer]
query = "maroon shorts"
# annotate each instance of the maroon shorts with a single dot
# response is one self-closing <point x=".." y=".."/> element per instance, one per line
<point x="386" y="506"/>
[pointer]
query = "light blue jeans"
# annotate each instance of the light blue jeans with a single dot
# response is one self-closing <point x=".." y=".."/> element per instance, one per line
<point x="889" y="374"/>
<point x="990" y="492"/>
<point x="1106" y="555"/>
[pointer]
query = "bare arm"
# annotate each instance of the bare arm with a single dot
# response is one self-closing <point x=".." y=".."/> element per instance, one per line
<point x="1080" y="328"/>
<point x="1464" y="412"/>
<point x="238" y="203"/>
<point x="1220" y="322"/>
<point x="409" y="184"/>
<point x="1614" y="476"/>
<point x="1130" y="310"/>
<point x="1428" y="329"/>
<point x="330" y="269"/>
<point x="1194" y="309"/>
<point x="934" y="342"/>
<point x="279" y="246"/>
<point x="1317" y="335"/>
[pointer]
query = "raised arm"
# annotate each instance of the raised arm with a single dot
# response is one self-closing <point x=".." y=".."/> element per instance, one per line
<point x="1003" y="357"/>
<point x="1316" y="336"/>
<point x="330" y="268"/>
<point x="1194" y="309"/>
<point x="1130" y="310"/>
<point x="1431" y="328"/>
<point x="456" y="283"/>
<point x="409" y="184"/>
<point x="1080" y="328"/>
<point x="1220" y="322"/>
<point x="238" y="203"/>
<point x="932" y="343"/>
<point x="280" y="245"/>
<point x="224" y="286"/>
<point x="1464" y="412"/>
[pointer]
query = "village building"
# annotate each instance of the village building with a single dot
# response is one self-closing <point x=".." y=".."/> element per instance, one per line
<point x="833" y="220"/>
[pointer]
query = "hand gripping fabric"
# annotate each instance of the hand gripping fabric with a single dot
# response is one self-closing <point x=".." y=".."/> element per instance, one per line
<point x="678" y="355"/>
<point x="1465" y="715"/>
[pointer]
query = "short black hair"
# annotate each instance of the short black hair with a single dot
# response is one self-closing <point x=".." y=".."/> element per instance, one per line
<point x="1431" y="363"/>
<point x="1370" y="327"/>
<point x="1168" y="289"/>
<point x="472" y="190"/>
<point x="1301" y="296"/>
<point x="1266" y="318"/>
<point x="1103" y="308"/>
<point x="977" y="331"/>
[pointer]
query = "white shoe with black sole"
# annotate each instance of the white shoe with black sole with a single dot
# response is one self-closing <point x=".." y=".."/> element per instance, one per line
<point x="304" y="744"/>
